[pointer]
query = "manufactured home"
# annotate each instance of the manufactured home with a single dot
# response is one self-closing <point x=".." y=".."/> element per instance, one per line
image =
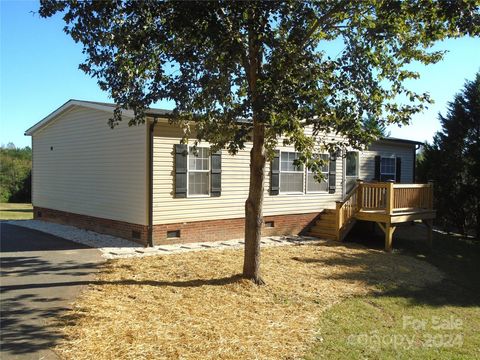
<point x="142" y="184"/>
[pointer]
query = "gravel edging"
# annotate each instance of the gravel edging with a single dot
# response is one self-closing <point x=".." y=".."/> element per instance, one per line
<point x="103" y="242"/>
<point x="114" y="247"/>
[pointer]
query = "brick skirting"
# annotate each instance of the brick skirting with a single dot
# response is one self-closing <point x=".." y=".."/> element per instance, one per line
<point x="130" y="231"/>
<point x="227" y="229"/>
<point x="197" y="231"/>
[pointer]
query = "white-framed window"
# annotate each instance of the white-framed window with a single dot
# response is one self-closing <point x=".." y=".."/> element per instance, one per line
<point x="387" y="168"/>
<point x="291" y="176"/>
<point x="312" y="184"/>
<point x="198" y="180"/>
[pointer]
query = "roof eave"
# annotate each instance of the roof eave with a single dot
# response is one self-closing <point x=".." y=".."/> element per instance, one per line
<point x="403" y="141"/>
<point x="66" y="106"/>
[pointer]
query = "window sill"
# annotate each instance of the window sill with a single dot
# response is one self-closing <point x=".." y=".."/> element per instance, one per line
<point x="304" y="193"/>
<point x="198" y="196"/>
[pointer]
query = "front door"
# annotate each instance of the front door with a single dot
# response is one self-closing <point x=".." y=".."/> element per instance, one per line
<point x="351" y="170"/>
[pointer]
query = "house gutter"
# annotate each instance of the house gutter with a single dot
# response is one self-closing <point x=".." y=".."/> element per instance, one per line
<point x="150" y="181"/>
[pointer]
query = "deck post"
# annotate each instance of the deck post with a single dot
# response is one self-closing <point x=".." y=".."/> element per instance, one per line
<point x="389" y="230"/>
<point x="338" y="219"/>
<point x="359" y="194"/>
<point x="430" y="195"/>
<point x="390" y="199"/>
<point x="429" y="225"/>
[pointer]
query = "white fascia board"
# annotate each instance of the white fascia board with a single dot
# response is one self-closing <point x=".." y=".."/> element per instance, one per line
<point x="67" y="106"/>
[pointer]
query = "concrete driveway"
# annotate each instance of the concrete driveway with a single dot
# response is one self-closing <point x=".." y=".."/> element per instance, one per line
<point x="40" y="276"/>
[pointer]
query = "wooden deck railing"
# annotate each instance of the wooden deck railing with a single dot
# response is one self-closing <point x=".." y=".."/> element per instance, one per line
<point x="383" y="196"/>
<point x="412" y="196"/>
<point x="373" y="196"/>
<point x="392" y="197"/>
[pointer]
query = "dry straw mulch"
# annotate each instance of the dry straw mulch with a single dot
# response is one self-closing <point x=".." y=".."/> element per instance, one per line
<point x="195" y="306"/>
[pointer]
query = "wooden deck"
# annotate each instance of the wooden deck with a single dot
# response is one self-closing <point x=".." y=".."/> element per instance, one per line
<point x="397" y="216"/>
<point x="387" y="204"/>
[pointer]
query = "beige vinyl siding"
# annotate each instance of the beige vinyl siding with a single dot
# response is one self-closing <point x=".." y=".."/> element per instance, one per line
<point x="404" y="151"/>
<point x="92" y="169"/>
<point x="235" y="182"/>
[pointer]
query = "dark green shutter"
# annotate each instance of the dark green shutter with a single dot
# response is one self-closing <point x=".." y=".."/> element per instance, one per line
<point x="181" y="151"/>
<point x="377" y="168"/>
<point x="216" y="174"/>
<point x="398" y="171"/>
<point x="275" y="174"/>
<point x="332" y="173"/>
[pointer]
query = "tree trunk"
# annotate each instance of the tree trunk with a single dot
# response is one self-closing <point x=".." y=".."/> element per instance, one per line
<point x="254" y="206"/>
<point x="477" y="228"/>
<point x="254" y="203"/>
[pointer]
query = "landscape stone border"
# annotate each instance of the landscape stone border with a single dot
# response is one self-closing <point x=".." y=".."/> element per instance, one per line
<point x="115" y="248"/>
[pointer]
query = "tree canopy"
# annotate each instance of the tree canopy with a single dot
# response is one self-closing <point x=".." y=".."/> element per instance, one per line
<point x="265" y="62"/>
<point x="220" y="61"/>
<point x="453" y="161"/>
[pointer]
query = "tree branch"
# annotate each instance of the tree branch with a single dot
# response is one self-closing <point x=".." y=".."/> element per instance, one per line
<point x="319" y="21"/>
<point x="234" y="36"/>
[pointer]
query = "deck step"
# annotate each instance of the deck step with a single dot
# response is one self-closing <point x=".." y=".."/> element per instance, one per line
<point x="326" y="221"/>
<point x="323" y="221"/>
<point x="323" y="235"/>
<point x="329" y="211"/>
<point x="327" y="215"/>
<point x="323" y="231"/>
<point x="318" y="229"/>
<point x="324" y="228"/>
<point x="325" y="225"/>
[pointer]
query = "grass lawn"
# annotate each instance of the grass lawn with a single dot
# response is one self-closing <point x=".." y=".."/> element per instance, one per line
<point x="195" y="306"/>
<point x="437" y="321"/>
<point x="9" y="211"/>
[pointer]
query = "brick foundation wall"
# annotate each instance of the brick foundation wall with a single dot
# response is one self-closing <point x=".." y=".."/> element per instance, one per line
<point x="226" y="229"/>
<point x="104" y="226"/>
<point x="197" y="231"/>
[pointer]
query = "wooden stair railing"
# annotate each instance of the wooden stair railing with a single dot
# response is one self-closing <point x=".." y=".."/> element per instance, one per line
<point x="345" y="211"/>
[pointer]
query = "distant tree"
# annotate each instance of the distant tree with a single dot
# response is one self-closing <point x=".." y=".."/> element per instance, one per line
<point x="376" y="128"/>
<point x="220" y="61"/>
<point x="23" y="191"/>
<point x="453" y="161"/>
<point x="15" y="173"/>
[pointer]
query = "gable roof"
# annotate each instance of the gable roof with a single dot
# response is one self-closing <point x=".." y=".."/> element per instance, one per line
<point x="108" y="107"/>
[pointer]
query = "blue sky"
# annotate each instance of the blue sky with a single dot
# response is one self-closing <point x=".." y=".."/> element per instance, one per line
<point x="39" y="72"/>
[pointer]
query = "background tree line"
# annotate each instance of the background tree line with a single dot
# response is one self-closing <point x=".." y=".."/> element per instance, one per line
<point x="452" y="160"/>
<point x="15" y="174"/>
